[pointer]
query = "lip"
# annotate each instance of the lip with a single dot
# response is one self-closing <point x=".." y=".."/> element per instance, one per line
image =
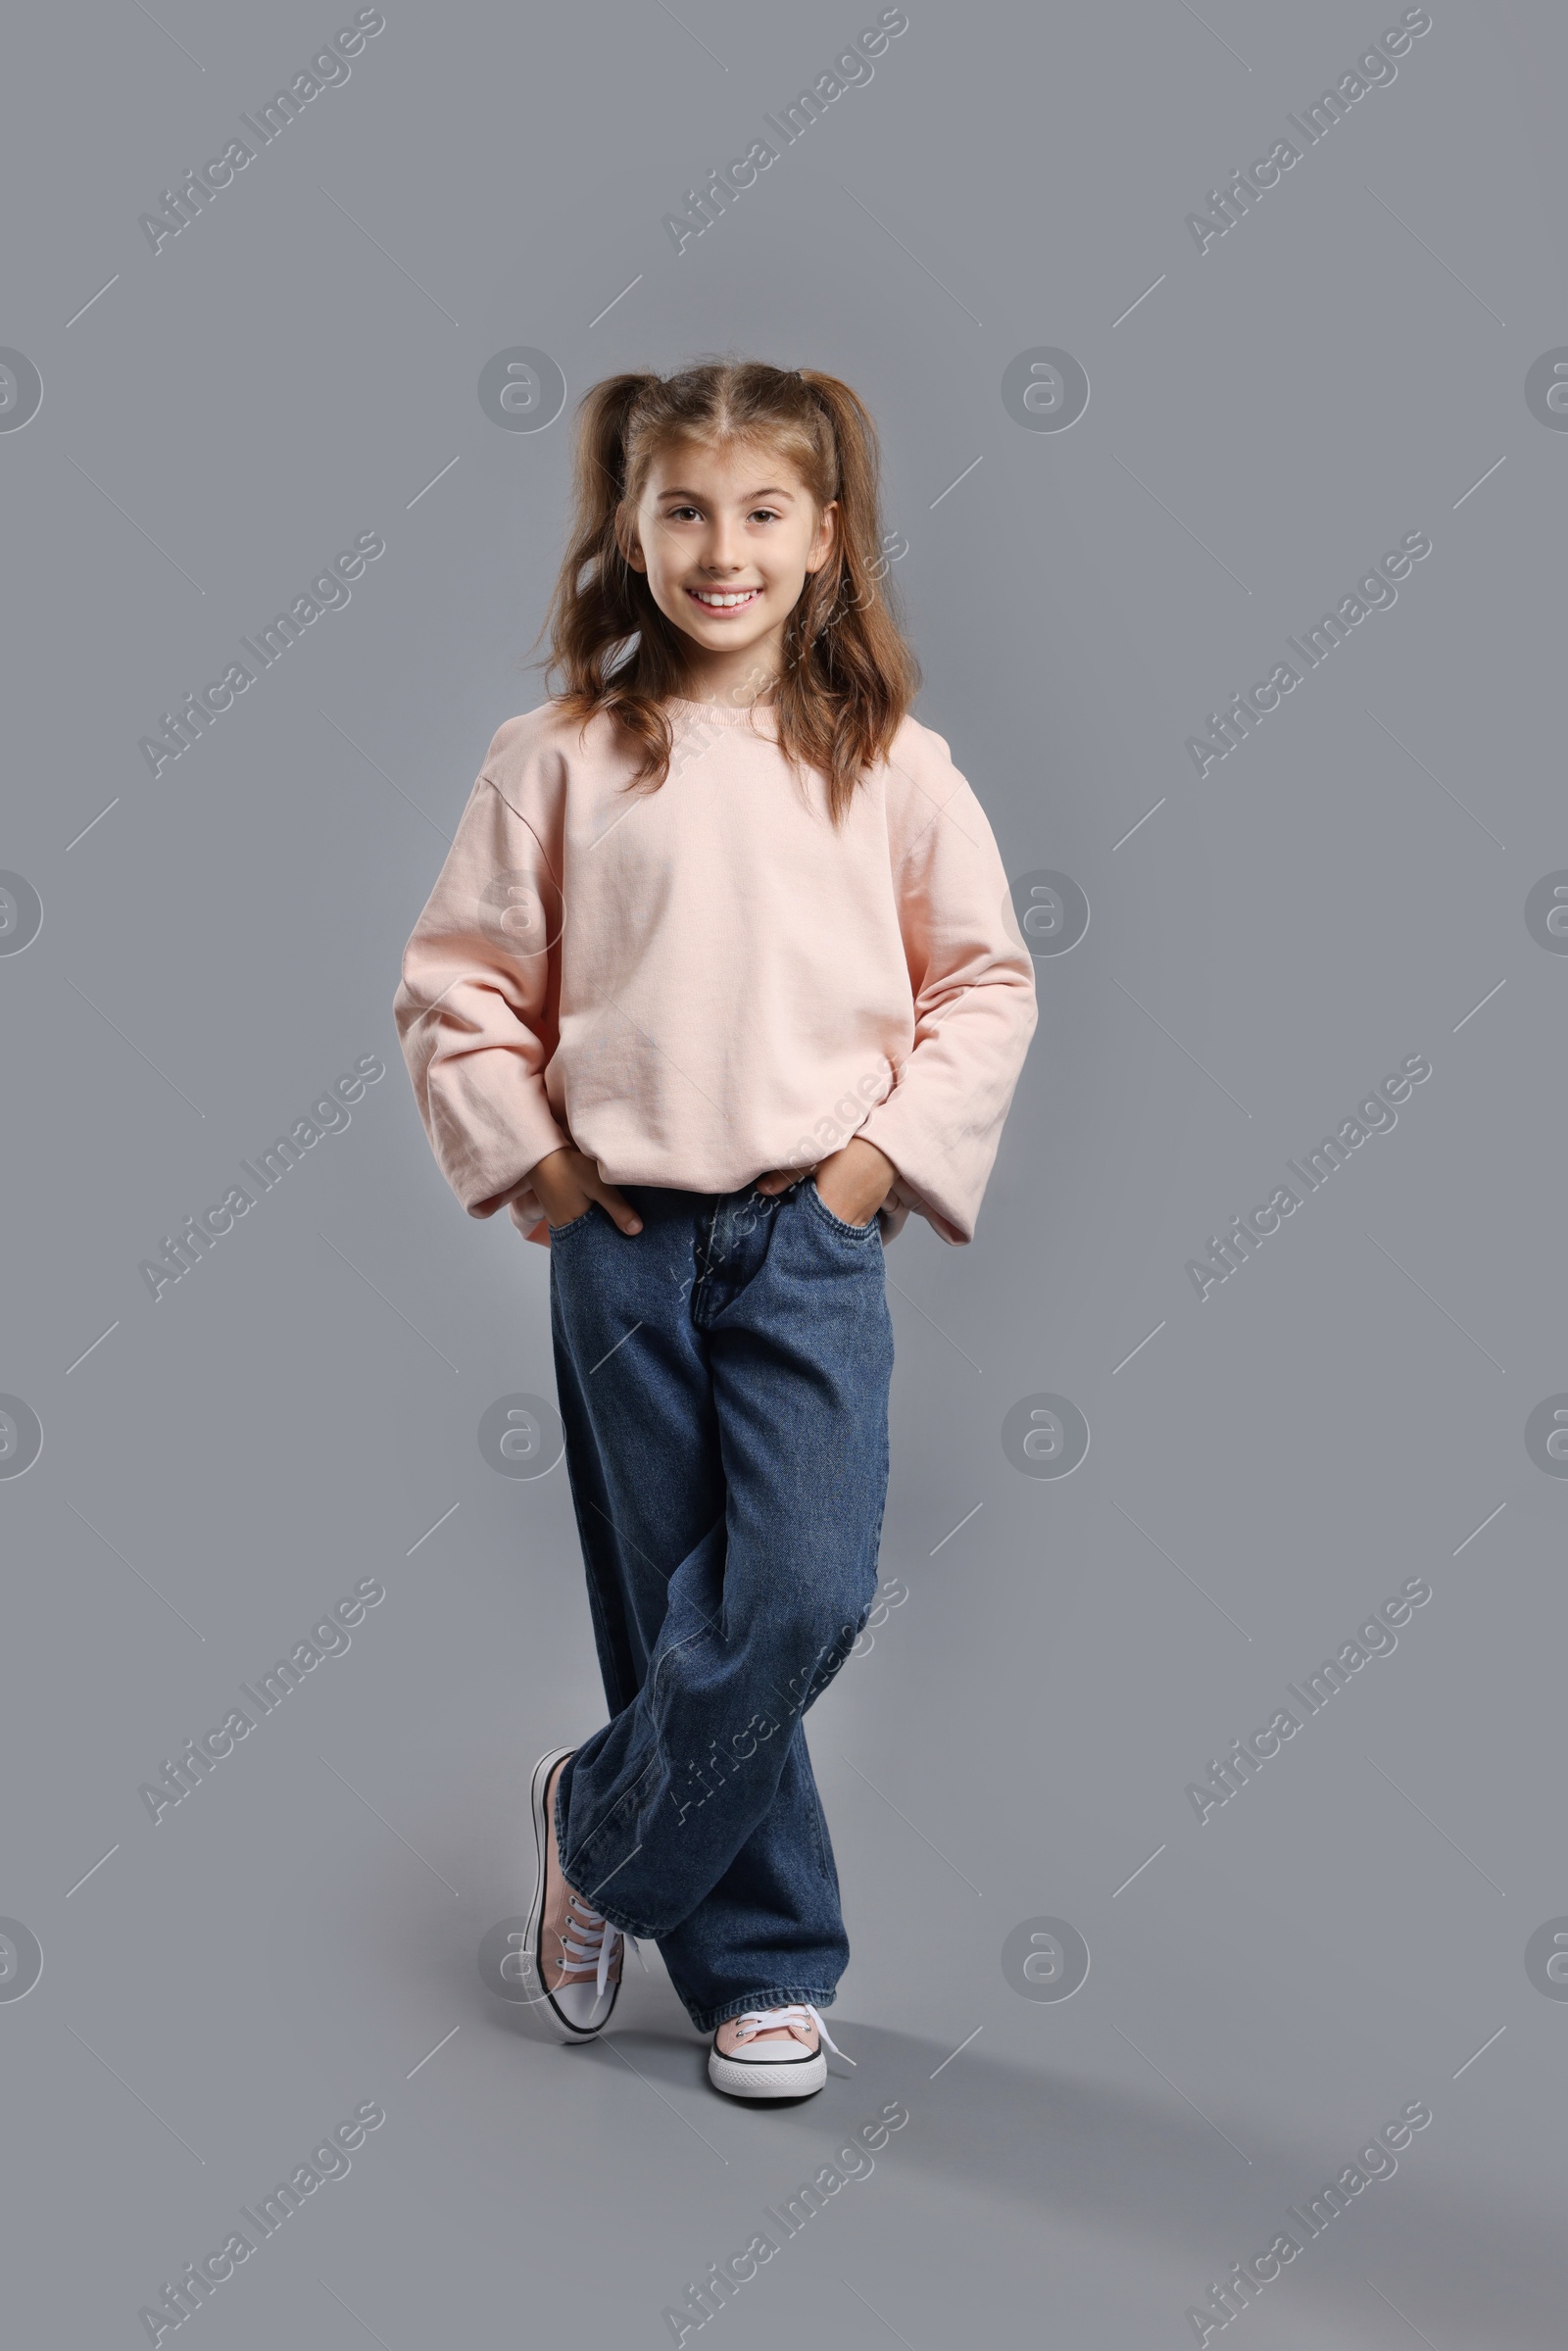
<point x="726" y="611"/>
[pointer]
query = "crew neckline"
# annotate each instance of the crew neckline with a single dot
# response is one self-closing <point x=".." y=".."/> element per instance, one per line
<point x="724" y="712"/>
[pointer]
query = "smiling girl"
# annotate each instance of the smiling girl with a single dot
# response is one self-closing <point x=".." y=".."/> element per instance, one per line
<point x="719" y="984"/>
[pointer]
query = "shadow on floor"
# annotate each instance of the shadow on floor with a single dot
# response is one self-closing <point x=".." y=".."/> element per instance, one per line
<point x="1075" y="2154"/>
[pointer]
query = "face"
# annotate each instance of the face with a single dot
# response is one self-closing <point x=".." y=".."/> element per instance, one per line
<point x="726" y="538"/>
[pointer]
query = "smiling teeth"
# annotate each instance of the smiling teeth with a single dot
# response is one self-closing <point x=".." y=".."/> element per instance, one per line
<point x="742" y="596"/>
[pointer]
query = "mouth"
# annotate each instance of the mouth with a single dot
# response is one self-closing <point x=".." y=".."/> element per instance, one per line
<point x="721" y="602"/>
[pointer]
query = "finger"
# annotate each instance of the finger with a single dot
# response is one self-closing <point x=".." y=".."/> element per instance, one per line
<point x="615" y="1205"/>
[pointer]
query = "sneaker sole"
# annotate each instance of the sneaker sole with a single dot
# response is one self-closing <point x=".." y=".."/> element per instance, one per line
<point x="543" y="1840"/>
<point x="748" y="2077"/>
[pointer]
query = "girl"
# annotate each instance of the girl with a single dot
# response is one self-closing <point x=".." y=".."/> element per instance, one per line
<point x="719" y="982"/>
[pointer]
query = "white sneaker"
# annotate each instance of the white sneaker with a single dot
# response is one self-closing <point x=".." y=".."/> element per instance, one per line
<point x="771" y="2053"/>
<point x="575" y="1950"/>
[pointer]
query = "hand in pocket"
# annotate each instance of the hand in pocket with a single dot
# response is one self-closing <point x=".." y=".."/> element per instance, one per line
<point x="567" y="1182"/>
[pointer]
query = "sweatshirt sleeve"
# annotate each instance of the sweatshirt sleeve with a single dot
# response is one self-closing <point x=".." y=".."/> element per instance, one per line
<point x="476" y="1007"/>
<point x="972" y="980"/>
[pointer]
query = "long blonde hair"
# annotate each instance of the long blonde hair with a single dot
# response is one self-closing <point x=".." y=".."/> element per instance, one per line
<point x="848" y="678"/>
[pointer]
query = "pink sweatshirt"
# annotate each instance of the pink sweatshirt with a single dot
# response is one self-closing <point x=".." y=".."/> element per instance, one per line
<point x="700" y="983"/>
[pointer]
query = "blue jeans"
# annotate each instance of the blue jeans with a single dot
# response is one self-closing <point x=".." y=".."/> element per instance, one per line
<point x="723" y="1381"/>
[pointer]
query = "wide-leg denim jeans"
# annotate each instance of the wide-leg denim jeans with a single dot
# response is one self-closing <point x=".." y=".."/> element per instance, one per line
<point x="723" y="1381"/>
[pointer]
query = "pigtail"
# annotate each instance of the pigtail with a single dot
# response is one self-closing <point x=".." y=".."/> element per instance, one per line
<point x="850" y="676"/>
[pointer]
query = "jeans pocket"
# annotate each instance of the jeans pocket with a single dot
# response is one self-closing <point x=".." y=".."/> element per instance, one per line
<point x="852" y="1232"/>
<point x="558" y="1232"/>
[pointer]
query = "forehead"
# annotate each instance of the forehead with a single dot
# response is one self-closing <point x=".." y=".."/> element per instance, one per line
<point x="728" y="468"/>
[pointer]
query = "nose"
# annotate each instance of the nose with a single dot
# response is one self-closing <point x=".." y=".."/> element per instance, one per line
<point x="722" y="553"/>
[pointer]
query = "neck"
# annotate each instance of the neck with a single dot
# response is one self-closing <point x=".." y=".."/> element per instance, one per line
<point x="737" y="683"/>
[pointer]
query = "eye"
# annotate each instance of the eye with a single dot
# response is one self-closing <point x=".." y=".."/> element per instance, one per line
<point x="768" y="513"/>
<point x="676" y="511"/>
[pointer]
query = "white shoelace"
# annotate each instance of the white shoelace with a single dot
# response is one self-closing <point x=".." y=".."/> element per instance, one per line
<point x="760" y="2019"/>
<point x="589" y="1941"/>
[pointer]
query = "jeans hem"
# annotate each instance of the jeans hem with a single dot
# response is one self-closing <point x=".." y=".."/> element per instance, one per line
<point x="709" y="2020"/>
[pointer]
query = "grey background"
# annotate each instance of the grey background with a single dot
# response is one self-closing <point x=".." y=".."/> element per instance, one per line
<point x="302" y="1409"/>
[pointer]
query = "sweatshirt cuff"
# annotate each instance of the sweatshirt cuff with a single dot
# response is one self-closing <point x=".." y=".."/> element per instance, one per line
<point x="503" y="1182"/>
<point x="921" y="1181"/>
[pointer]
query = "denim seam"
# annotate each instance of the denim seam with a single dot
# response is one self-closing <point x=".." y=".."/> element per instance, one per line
<point x="652" y="1679"/>
<point x="823" y="1863"/>
<point x="595" y="1833"/>
<point x="604" y="1640"/>
<point x="658" y="1758"/>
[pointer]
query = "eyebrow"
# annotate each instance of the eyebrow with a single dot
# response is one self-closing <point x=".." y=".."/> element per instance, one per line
<point x="751" y="495"/>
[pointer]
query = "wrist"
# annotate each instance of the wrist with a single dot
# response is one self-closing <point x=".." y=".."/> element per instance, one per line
<point x="550" y="1174"/>
<point x="859" y="1177"/>
<point x="874" y="1154"/>
<point x="552" y="1183"/>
